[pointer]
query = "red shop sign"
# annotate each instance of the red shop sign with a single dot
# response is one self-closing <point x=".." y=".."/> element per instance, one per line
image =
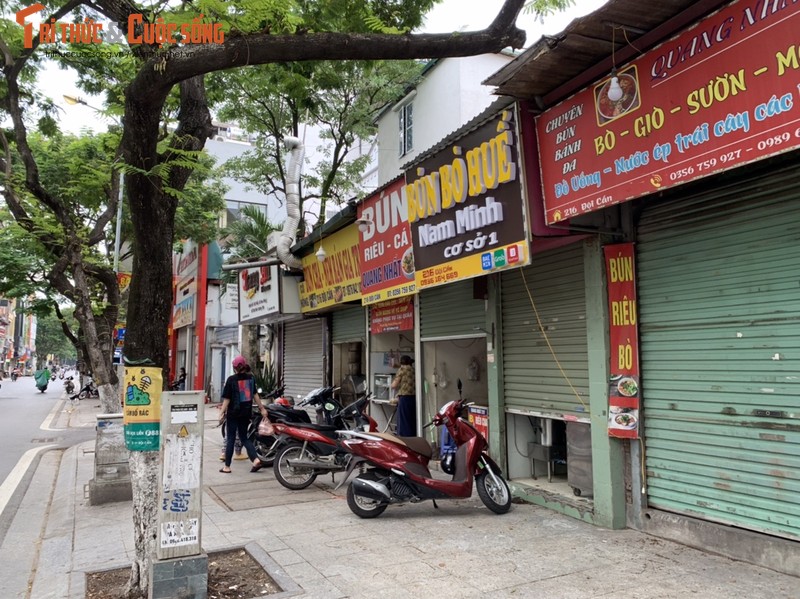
<point x="394" y="315"/>
<point x="624" y="386"/>
<point x="721" y="94"/>
<point x="384" y="244"/>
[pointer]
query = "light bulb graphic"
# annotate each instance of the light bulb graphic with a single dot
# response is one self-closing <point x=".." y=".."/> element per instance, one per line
<point x="146" y="380"/>
<point x="614" y="90"/>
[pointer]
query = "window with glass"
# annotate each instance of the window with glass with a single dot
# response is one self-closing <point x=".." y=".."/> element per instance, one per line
<point x="406" y="127"/>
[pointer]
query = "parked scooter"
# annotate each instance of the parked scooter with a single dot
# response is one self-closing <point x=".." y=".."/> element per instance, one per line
<point x="88" y="391"/>
<point x="398" y="467"/>
<point x="14" y="375"/>
<point x="281" y="409"/>
<point x="69" y="386"/>
<point x="308" y="450"/>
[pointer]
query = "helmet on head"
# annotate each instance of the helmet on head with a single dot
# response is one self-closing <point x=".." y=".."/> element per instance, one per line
<point x="449" y="463"/>
<point x="239" y="361"/>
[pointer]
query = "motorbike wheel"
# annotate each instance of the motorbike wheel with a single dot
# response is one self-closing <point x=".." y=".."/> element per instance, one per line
<point x="292" y="477"/>
<point x="264" y="449"/>
<point x="497" y="497"/>
<point x="364" y="507"/>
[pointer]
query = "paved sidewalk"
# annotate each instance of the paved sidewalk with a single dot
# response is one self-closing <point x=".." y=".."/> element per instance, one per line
<point x="460" y="550"/>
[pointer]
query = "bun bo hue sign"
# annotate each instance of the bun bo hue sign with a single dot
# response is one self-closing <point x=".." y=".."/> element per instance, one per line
<point x="465" y="207"/>
<point x="336" y="279"/>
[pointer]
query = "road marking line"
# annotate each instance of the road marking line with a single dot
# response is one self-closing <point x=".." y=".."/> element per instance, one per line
<point x="14" y="477"/>
<point x="51" y="417"/>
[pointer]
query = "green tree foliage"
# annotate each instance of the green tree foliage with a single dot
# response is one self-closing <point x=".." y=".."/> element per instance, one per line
<point x="341" y="100"/>
<point x="50" y="337"/>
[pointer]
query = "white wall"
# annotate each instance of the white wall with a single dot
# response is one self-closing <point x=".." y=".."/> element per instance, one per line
<point x="450" y="95"/>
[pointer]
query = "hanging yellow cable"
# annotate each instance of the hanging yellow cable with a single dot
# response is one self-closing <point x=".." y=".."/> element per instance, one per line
<point x="547" y="340"/>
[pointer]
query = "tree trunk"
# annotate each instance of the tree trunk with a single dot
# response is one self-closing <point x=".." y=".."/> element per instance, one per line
<point x="145" y="473"/>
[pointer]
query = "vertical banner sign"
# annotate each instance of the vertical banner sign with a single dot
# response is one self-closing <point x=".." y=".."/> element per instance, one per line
<point x="142" y="410"/>
<point x="179" y="518"/>
<point x="624" y="385"/>
<point x="721" y="94"/>
<point x="387" y="255"/>
<point x="465" y="207"/>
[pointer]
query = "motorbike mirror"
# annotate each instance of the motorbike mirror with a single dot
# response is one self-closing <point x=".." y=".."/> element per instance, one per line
<point x="260" y="391"/>
<point x="460" y="386"/>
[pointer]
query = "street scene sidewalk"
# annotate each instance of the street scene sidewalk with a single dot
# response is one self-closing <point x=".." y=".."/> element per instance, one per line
<point x="315" y="546"/>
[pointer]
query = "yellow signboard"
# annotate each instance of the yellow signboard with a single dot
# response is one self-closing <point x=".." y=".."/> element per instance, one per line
<point x="515" y="254"/>
<point x="337" y="278"/>
<point x="142" y="410"/>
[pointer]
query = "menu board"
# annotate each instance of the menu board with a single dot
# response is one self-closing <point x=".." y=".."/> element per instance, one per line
<point x="625" y="382"/>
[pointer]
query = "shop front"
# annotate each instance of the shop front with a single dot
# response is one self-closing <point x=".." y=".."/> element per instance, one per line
<point x="707" y="160"/>
<point x="266" y="297"/>
<point x="468" y="224"/>
<point x="184" y="311"/>
<point x="388" y="293"/>
<point x="333" y="334"/>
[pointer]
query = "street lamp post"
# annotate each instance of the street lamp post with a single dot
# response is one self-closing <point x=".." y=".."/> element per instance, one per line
<point x="72" y="101"/>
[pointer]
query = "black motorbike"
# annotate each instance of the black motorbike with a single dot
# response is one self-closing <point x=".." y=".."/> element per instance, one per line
<point x="69" y="386"/>
<point x="280" y="409"/>
<point x="88" y="391"/>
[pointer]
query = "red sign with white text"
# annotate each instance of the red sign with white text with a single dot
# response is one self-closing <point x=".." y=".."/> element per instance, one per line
<point x="384" y="242"/>
<point x="625" y="383"/>
<point x="394" y="315"/>
<point x="723" y="93"/>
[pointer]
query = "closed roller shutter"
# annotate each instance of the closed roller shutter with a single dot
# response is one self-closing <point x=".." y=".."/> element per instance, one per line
<point x="303" y="356"/>
<point x="720" y="328"/>
<point x="451" y="311"/>
<point x="533" y="381"/>
<point x="348" y="324"/>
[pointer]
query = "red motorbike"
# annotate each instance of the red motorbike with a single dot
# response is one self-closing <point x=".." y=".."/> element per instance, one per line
<point x="397" y="467"/>
<point x="305" y="450"/>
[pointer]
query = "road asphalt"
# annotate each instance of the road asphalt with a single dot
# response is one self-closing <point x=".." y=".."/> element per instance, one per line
<point x="315" y="547"/>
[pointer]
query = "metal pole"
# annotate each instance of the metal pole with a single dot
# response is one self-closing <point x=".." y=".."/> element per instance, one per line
<point x="118" y="235"/>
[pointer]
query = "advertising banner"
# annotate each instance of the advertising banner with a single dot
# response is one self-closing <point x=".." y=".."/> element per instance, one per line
<point x="387" y="255"/>
<point x="394" y="315"/>
<point x="183" y="313"/>
<point x="465" y="207"/>
<point x="336" y="279"/>
<point x="258" y="292"/>
<point x="719" y="95"/>
<point x="142" y="408"/>
<point x="625" y="383"/>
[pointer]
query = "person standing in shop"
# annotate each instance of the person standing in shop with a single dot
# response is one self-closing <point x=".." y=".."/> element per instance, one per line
<point x="404" y="385"/>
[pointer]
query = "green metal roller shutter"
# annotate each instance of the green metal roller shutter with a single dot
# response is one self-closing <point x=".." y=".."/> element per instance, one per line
<point x="451" y="311"/>
<point x="719" y="296"/>
<point x="348" y="324"/>
<point x="532" y="379"/>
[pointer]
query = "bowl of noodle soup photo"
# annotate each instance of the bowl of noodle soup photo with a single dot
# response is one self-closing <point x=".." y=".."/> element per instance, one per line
<point x="608" y="109"/>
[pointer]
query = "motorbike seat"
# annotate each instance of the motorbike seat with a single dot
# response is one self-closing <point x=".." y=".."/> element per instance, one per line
<point x="417" y="444"/>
